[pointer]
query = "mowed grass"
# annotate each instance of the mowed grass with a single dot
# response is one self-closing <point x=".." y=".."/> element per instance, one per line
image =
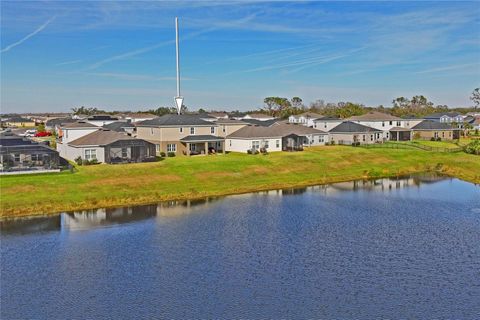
<point x="196" y="177"/>
<point x="437" y="144"/>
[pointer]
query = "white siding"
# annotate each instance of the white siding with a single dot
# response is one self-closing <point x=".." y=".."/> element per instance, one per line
<point x="243" y="145"/>
<point x="75" y="133"/>
<point x="71" y="153"/>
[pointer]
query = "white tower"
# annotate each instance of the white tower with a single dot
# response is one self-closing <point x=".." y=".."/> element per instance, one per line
<point x="178" y="98"/>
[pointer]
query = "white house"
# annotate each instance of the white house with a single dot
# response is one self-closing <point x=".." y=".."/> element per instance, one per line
<point x="257" y="116"/>
<point x="72" y="131"/>
<point x="326" y="123"/>
<point x="306" y="118"/>
<point x="446" y="117"/>
<point x="137" y="117"/>
<point x="278" y="137"/>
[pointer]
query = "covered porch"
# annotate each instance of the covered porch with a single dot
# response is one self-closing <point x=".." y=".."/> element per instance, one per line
<point x="400" y="134"/>
<point x="203" y="144"/>
<point x="293" y="142"/>
<point x="129" y="151"/>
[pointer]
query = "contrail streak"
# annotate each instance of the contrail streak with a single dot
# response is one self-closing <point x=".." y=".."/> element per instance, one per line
<point x="39" y="29"/>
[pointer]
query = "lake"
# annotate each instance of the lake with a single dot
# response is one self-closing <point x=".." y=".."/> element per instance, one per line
<point x="388" y="248"/>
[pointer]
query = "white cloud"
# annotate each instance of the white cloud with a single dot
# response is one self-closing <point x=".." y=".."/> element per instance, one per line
<point x="28" y="36"/>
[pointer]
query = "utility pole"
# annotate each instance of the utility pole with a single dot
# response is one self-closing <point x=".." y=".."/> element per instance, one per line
<point x="178" y="98"/>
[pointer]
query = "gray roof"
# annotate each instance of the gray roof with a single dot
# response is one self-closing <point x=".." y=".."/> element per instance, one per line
<point x="172" y="120"/>
<point x="79" y="125"/>
<point x="231" y="121"/>
<point x="201" y="138"/>
<point x="438" y="115"/>
<point x="59" y="121"/>
<point x="432" y="125"/>
<point x="119" y="126"/>
<point x="266" y="123"/>
<point x="326" y="118"/>
<point x="352" y="127"/>
<point x="100" y="138"/>
<point x="374" y="116"/>
<point x="278" y="130"/>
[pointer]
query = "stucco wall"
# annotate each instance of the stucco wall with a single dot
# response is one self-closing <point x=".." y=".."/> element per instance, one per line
<point x="242" y="145"/>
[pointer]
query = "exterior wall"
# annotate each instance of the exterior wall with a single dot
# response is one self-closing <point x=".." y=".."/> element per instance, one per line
<point x="226" y="129"/>
<point x="265" y="118"/>
<point x="71" y="134"/>
<point x="383" y="125"/>
<point x="242" y="145"/>
<point x="172" y="135"/>
<point x="326" y="125"/>
<point x="410" y="123"/>
<point x="71" y="153"/>
<point x="316" y="140"/>
<point x="20" y="124"/>
<point x="428" y="134"/>
<point x="349" y="138"/>
<point x="100" y="123"/>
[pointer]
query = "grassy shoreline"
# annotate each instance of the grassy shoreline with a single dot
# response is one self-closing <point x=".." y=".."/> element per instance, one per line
<point x="200" y="177"/>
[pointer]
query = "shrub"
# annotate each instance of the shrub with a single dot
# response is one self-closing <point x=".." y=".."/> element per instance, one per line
<point x="171" y="154"/>
<point x="432" y="139"/>
<point x="78" y="160"/>
<point x="162" y="154"/>
<point x="332" y="143"/>
<point x="256" y="151"/>
<point x="356" y="143"/>
<point x="439" y="139"/>
<point x="249" y="151"/>
<point x="473" y="147"/>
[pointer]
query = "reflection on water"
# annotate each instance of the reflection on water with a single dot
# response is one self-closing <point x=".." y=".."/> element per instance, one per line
<point x="102" y="217"/>
<point x="383" y="249"/>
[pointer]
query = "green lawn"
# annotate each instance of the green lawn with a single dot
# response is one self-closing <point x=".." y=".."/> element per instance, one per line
<point x="436" y="144"/>
<point x="195" y="177"/>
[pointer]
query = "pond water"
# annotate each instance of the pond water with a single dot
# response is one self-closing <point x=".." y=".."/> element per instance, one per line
<point x="389" y="248"/>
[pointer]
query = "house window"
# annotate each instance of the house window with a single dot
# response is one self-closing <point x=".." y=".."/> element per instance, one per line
<point x="224" y="129"/>
<point x="399" y="123"/>
<point x="124" y="153"/>
<point x="157" y="148"/>
<point x="391" y="122"/>
<point x="371" y="137"/>
<point x="255" y="145"/>
<point x="192" y="130"/>
<point x="193" y="147"/>
<point x="383" y="123"/>
<point x="36" y="157"/>
<point x="16" y="157"/>
<point x="363" y="138"/>
<point x="277" y="143"/>
<point x="265" y="144"/>
<point x="321" y="139"/>
<point x="212" y="130"/>
<point x="181" y="129"/>
<point x="443" y="134"/>
<point x="230" y="142"/>
<point x="171" y="147"/>
<point x="151" y="131"/>
<point x="435" y="134"/>
<point x="90" y="154"/>
<point x="325" y="125"/>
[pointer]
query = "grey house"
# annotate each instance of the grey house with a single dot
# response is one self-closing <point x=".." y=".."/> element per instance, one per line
<point x="350" y="132"/>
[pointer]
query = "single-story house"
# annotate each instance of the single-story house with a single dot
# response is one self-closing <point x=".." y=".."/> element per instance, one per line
<point x="18" y="121"/>
<point x="278" y="137"/>
<point x="429" y="129"/>
<point x="350" y="132"/>
<point x="110" y="147"/>
<point x="19" y="154"/>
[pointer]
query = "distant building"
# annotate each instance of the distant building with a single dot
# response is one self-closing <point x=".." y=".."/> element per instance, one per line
<point x="445" y="117"/>
<point x="326" y="123"/>
<point x="306" y="118"/>
<point x="122" y="126"/>
<point x="101" y="119"/>
<point x="17" y="121"/>
<point x="257" y="116"/>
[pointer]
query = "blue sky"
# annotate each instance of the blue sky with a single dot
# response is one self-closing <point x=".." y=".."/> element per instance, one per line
<point x="121" y="55"/>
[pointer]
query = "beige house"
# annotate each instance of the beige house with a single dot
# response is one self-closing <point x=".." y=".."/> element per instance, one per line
<point x="429" y="129"/>
<point x="186" y="134"/>
<point x="350" y="132"/>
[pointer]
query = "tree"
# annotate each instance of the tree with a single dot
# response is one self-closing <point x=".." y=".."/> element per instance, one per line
<point x="275" y="105"/>
<point x="475" y="97"/>
<point x="297" y="102"/>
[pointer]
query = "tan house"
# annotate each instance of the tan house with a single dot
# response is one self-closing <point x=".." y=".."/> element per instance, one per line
<point x="186" y="134"/>
<point x="351" y="132"/>
<point x="428" y="129"/>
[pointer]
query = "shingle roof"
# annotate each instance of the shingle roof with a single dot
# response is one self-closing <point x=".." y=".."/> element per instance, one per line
<point x="100" y="138"/>
<point x="438" y="115"/>
<point x="266" y="123"/>
<point x="278" y="130"/>
<point x="201" y="138"/>
<point x="18" y="119"/>
<point x="374" y="116"/>
<point x="311" y="115"/>
<point x="101" y="117"/>
<point x="79" y="124"/>
<point x="59" y="121"/>
<point x="432" y="125"/>
<point x="352" y="127"/>
<point x="231" y="121"/>
<point x="326" y="118"/>
<point x="119" y="126"/>
<point x="259" y="115"/>
<point x="176" y="120"/>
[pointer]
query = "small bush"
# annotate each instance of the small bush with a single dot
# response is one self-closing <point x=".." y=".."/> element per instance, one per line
<point x="78" y="160"/>
<point x="249" y="151"/>
<point x="432" y="139"/>
<point x="439" y="139"/>
<point x="171" y="154"/>
<point x="473" y="147"/>
<point x="332" y="143"/>
<point x="162" y="154"/>
<point x="356" y="143"/>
